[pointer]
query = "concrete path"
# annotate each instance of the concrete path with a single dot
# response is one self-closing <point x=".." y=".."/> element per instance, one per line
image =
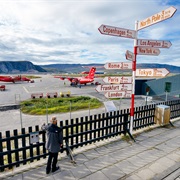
<point x="155" y="155"/>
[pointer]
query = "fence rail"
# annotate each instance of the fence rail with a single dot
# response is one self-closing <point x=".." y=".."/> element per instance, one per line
<point x="17" y="149"/>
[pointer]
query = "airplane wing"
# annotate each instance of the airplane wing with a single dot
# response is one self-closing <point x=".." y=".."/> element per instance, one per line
<point x="60" y="77"/>
<point x="23" y="78"/>
<point x="71" y="79"/>
<point x="9" y="79"/>
<point x="14" y="78"/>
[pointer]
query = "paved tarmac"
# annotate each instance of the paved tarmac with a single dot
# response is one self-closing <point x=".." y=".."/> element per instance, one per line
<point x="155" y="155"/>
<point x="14" y="119"/>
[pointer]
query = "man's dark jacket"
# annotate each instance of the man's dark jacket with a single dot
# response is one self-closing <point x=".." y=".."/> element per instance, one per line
<point x="54" y="137"/>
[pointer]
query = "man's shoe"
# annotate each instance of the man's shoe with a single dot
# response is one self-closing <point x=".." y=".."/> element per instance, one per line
<point x="47" y="171"/>
<point x="57" y="168"/>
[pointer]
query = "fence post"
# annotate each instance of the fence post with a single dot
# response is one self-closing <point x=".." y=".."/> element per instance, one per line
<point x="37" y="148"/>
<point x="125" y="123"/>
<point x="24" y="157"/>
<point x="1" y="154"/>
<point x="8" y="143"/>
<point x="16" y="145"/>
<point x="126" y="130"/>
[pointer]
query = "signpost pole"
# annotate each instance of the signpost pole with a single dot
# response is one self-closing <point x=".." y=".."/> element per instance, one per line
<point x="133" y="79"/>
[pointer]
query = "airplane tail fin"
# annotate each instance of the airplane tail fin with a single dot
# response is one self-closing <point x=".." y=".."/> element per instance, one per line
<point x="91" y="73"/>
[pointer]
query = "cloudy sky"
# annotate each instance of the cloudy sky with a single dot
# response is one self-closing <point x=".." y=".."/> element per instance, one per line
<point x="66" y="31"/>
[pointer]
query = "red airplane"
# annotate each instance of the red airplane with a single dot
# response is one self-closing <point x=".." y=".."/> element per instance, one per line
<point x="82" y="80"/>
<point x="14" y="78"/>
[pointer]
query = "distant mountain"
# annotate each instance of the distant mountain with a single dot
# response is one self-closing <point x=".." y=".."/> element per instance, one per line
<point x="15" y="67"/>
<point x="69" y="68"/>
<point x="76" y="68"/>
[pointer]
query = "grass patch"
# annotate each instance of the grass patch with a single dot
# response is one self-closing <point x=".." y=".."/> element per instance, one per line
<point x="58" y="105"/>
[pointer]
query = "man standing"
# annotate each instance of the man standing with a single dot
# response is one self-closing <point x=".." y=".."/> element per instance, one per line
<point x="53" y="144"/>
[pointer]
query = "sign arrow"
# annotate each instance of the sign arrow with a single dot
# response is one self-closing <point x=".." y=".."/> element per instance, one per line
<point x="148" y="51"/>
<point x="119" y="94"/>
<point x="108" y="88"/>
<point x="161" y="16"/>
<point x="118" y="80"/>
<point x="154" y="43"/>
<point x="159" y="72"/>
<point x="129" y="55"/>
<point x="118" y="65"/>
<point x="115" y="31"/>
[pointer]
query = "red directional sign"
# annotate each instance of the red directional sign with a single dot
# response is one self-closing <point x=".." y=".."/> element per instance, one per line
<point x="118" y="80"/>
<point x="159" y="72"/>
<point x="129" y="55"/>
<point x="161" y="16"/>
<point x="118" y="65"/>
<point x="154" y="43"/>
<point x="148" y="51"/>
<point x="115" y="31"/>
<point x="119" y="94"/>
<point x="119" y="87"/>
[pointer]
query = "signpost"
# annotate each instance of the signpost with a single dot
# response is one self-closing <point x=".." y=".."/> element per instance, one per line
<point x="109" y="88"/>
<point x="118" y="65"/>
<point x="118" y="94"/>
<point x="129" y="55"/>
<point x="118" y="80"/>
<point x="148" y="51"/>
<point x="141" y="47"/>
<point x="154" y="43"/>
<point x="159" y="72"/>
<point x="115" y="31"/>
<point x="161" y="16"/>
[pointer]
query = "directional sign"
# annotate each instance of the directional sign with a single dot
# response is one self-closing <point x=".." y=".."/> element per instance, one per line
<point x="115" y="31"/>
<point x="119" y="94"/>
<point x="154" y="43"/>
<point x="118" y="65"/>
<point x="161" y="16"/>
<point x="129" y="55"/>
<point x="159" y="72"/>
<point x="148" y="51"/>
<point x="118" y="80"/>
<point x="119" y="87"/>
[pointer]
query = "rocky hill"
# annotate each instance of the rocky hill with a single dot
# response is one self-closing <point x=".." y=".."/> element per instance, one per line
<point x="76" y="68"/>
<point x="13" y="67"/>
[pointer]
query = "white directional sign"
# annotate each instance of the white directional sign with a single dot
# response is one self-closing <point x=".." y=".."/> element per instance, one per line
<point x="129" y="55"/>
<point x="119" y="94"/>
<point x="118" y="65"/>
<point x="118" y="80"/>
<point x="161" y="16"/>
<point x="154" y="43"/>
<point x="115" y="31"/>
<point x="148" y="51"/>
<point x="119" y="87"/>
<point x="159" y="72"/>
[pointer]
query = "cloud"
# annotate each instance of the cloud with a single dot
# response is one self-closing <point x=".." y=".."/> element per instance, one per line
<point x="46" y="32"/>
